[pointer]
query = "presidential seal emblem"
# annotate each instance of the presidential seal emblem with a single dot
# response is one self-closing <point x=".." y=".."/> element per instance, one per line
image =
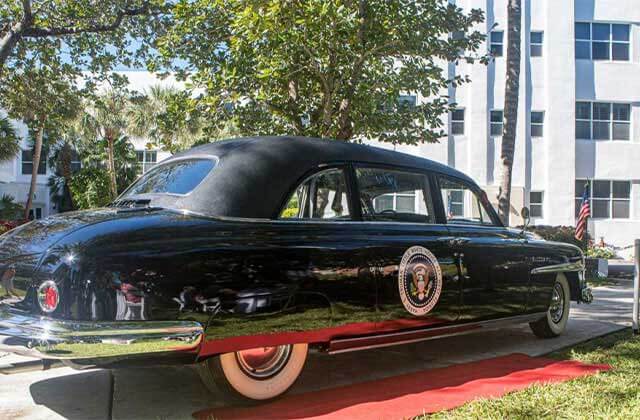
<point x="419" y="280"/>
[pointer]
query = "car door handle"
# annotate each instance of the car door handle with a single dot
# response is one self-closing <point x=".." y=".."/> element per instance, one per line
<point x="451" y="241"/>
<point x="459" y="241"/>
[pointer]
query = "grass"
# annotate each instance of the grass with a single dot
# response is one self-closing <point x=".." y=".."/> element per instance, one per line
<point x="608" y="395"/>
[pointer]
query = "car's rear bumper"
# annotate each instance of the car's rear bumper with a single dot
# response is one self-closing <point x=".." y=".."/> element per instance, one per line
<point x="96" y="342"/>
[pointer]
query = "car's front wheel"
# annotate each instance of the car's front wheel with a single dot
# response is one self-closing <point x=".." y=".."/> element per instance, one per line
<point x="256" y="374"/>
<point x="555" y="321"/>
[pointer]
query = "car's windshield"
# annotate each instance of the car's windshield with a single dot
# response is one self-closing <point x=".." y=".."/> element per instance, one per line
<point x="179" y="177"/>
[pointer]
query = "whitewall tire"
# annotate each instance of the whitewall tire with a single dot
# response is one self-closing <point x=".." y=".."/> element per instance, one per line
<point x="257" y="374"/>
<point x="555" y="321"/>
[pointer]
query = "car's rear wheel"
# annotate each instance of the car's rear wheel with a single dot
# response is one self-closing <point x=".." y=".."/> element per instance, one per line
<point x="555" y="321"/>
<point x="257" y="374"/>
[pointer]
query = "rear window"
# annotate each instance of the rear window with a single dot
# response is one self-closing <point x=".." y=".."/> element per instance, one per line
<point x="179" y="177"/>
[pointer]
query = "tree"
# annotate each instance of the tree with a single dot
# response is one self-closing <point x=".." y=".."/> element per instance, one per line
<point x="61" y="156"/>
<point x="91" y="185"/>
<point x="93" y="34"/>
<point x="323" y="68"/>
<point x="103" y="123"/>
<point x="9" y="141"/>
<point x="165" y="116"/>
<point x="511" y="94"/>
<point x="44" y="98"/>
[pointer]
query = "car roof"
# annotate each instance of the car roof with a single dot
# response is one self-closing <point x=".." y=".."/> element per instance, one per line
<point x="254" y="174"/>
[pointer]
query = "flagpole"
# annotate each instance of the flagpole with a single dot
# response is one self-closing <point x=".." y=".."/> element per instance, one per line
<point x="586" y="234"/>
<point x="586" y="223"/>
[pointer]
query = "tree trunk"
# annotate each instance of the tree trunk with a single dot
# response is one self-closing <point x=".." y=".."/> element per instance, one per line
<point x="34" y="171"/>
<point x="7" y="44"/>
<point x="65" y="171"/>
<point x="112" y="168"/>
<point x="9" y="41"/>
<point x="510" y="116"/>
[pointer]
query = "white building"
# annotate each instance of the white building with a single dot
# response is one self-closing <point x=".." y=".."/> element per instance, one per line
<point x="579" y="115"/>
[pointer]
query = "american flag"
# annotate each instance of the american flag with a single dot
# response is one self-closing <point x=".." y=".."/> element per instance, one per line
<point x="585" y="213"/>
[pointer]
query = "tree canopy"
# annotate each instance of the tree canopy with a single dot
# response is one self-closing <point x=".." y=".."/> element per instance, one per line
<point x="91" y="35"/>
<point x="324" y="68"/>
<point x="165" y="116"/>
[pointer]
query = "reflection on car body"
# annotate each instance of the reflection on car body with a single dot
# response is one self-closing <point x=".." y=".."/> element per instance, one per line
<point x="273" y="242"/>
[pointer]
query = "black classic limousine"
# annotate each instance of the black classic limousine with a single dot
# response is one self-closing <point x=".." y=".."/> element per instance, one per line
<point x="242" y="255"/>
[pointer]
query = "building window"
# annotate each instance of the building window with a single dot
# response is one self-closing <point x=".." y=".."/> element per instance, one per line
<point x="408" y="101"/>
<point x="537" y="123"/>
<point x="536" y="39"/>
<point x="535" y="204"/>
<point x="35" y="213"/>
<point x="495" y="123"/>
<point x="27" y="163"/>
<point x="76" y="164"/>
<point x="146" y="160"/>
<point x="602" y="41"/>
<point x="603" y="121"/>
<point x="457" y="122"/>
<point x="497" y="44"/>
<point x="609" y="199"/>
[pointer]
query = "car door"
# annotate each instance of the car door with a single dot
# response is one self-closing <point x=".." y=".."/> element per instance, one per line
<point x="317" y="232"/>
<point x="495" y="272"/>
<point x="406" y="250"/>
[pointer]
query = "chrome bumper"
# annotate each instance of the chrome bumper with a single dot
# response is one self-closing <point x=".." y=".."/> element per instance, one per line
<point x="48" y="338"/>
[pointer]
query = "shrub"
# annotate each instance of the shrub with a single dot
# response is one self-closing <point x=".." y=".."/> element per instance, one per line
<point x="601" y="252"/>
<point x="9" y="209"/>
<point x="564" y="234"/>
<point x="90" y="188"/>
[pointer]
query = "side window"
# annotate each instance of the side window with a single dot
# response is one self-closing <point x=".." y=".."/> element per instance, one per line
<point x="322" y="196"/>
<point x="394" y="196"/>
<point x="463" y="205"/>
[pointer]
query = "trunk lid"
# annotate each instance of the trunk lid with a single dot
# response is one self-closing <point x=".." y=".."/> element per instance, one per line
<point x="22" y="248"/>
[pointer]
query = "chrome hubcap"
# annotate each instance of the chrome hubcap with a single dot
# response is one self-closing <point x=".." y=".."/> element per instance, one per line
<point x="556" y="310"/>
<point x="263" y="362"/>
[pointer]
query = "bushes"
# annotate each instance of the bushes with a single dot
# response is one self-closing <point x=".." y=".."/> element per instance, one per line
<point x="559" y="234"/>
<point x="90" y="188"/>
<point x="599" y="252"/>
<point x="9" y="209"/>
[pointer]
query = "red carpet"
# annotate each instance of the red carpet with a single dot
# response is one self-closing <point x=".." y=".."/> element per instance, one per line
<point x="409" y="395"/>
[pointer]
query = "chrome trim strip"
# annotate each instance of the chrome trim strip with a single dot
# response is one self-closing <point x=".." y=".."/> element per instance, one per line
<point x="47" y="338"/>
<point x="396" y="338"/>
<point x="556" y="268"/>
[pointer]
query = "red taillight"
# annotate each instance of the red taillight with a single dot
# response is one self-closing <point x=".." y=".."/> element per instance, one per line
<point x="48" y="297"/>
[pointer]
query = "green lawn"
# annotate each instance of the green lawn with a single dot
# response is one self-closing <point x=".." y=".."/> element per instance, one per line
<point x="608" y="395"/>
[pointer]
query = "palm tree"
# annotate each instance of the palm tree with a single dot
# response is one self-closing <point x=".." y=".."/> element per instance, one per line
<point x="163" y="116"/>
<point x="106" y="119"/>
<point x="9" y="141"/>
<point x="510" y="117"/>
